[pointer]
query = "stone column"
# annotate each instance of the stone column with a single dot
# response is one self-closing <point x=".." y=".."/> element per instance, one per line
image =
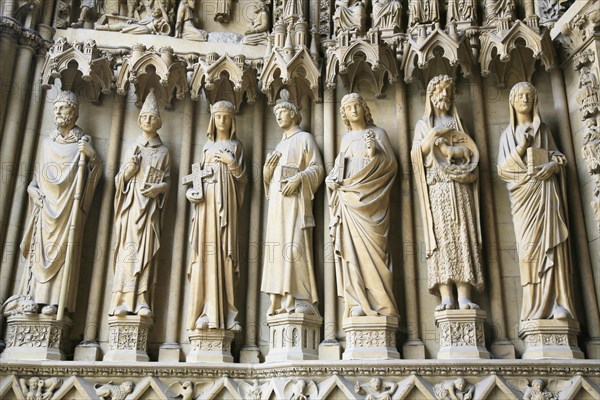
<point x="10" y="250"/>
<point x="170" y="350"/>
<point x="501" y="346"/>
<point x="9" y="54"/>
<point x="89" y="349"/>
<point x="414" y="348"/>
<point x="577" y="231"/>
<point x="330" y="348"/>
<point x="11" y="140"/>
<point x="250" y="353"/>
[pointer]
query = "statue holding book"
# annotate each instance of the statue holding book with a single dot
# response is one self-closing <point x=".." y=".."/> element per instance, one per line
<point x="292" y="174"/>
<point x="534" y="172"/>
<point x="141" y="190"/>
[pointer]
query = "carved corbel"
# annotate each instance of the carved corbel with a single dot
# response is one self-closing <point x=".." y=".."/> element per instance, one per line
<point x="522" y="46"/>
<point x="362" y="57"/>
<point x="81" y="68"/>
<point x="438" y="53"/>
<point x="150" y="68"/>
<point x="224" y="78"/>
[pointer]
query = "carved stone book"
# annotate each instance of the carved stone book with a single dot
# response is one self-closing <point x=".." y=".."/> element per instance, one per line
<point x="535" y="158"/>
<point x="287" y="171"/>
<point x="152" y="175"/>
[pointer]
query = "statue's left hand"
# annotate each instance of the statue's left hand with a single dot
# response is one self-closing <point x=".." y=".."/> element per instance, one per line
<point x="86" y="149"/>
<point x="546" y="171"/>
<point x="292" y="185"/>
<point x="153" y="190"/>
<point x="226" y="157"/>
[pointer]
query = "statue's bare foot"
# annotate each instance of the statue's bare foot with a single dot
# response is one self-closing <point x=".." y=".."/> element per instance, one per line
<point x="49" y="310"/>
<point x="467" y="304"/>
<point x="357" y="312"/>
<point x="120" y="311"/>
<point x="560" y="312"/>
<point x="446" y="304"/>
<point x="303" y="309"/>
<point x="144" y="311"/>
<point x="202" y="323"/>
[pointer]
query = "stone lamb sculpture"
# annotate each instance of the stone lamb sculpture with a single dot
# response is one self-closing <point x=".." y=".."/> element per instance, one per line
<point x="454" y="153"/>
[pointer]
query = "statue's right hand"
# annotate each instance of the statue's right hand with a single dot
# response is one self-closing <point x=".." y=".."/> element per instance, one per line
<point x="36" y="196"/>
<point x="193" y="196"/>
<point x="332" y="183"/>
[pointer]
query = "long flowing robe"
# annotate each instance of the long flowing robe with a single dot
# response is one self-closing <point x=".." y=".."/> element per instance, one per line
<point x="450" y="212"/>
<point x="288" y="262"/>
<point x="538" y="209"/>
<point x="213" y="269"/>
<point x="360" y="220"/>
<point x="386" y="14"/>
<point x="350" y="17"/>
<point x="138" y="221"/>
<point x="187" y="26"/>
<point x="44" y="244"/>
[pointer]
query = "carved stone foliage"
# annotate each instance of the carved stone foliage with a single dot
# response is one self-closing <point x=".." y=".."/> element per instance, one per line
<point x="38" y="334"/>
<point x="111" y="391"/>
<point x="514" y="53"/>
<point x="357" y="58"/>
<point x="81" y="67"/>
<point x="550" y="338"/>
<point x="290" y="63"/>
<point x="36" y="388"/>
<point x="213" y="345"/>
<point x="150" y="68"/>
<point x="436" y="54"/>
<point x="224" y="78"/>
<point x="581" y="28"/>
<point x="128" y="338"/>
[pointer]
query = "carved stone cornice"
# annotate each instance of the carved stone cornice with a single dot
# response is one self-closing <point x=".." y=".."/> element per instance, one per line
<point x="521" y="45"/>
<point x="148" y="68"/>
<point x="434" y="54"/>
<point x="77" y="65"/>
<point x="23" y="36"/>
<point x="221" y="76"/>
<point x="369" y="55"/>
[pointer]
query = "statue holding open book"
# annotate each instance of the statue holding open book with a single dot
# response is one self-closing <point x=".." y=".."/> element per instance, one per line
<point x="141" y="190"/>
<point x="534" y="172"/>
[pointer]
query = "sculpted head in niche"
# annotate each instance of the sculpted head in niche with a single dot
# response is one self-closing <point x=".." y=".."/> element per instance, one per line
<point x="354" y="110"/>
<point x="222" y="121"/>
<point x="523" y="96"/>
<point x="66" y="110"/>
<point x="441" y="92"/>
<point x="286" y="112"/>
<point x="149" y="119"/>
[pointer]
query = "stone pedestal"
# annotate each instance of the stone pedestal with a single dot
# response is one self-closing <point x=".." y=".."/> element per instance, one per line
<point x="128" y="338"/>
<point x="370" y="338"/>
<point x="36" y="337"/>
<point x="211" y="345"/>
<point x="294" y="337"/>
<point x="550" y="338"/>
<point x="462" y="334"/>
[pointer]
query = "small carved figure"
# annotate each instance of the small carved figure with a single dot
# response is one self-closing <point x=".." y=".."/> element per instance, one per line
<point x="386" y="14"/>
<point x="376" y="389"/>
<point x="292" y="10"/>
<point x="587" y="96"/>
<point x="223" y="14"/>
<point x="537" y="391"/>
<point x="359" y="188"/>
<point x="349" y="15"/>
<point x="462" y="10"/>
<point x="301" y="390"/>
<point x="533" y="169"/>
<point x="257" y="33"/>
<point x="19" y="304"/>
<point x="214" y="264"/>
<point x="36" y="388"/>
<point x="423" y="12"/>
<point x="251" y="391"/>
<point x="184" y="390"/>
<point x="110" y="391"/>
<point x="495" y="9"/>
<point x="186" y="26"/>
<point x="57" y="220"/>
<point x="155" y="24"/>
<point x="141" y="190"/>
<point x="454" y="153"/>
<point x="448" y="198"/>
<point x="292" y="174"/>
<point x="88" y="13"/>
<point x="454" y="389"/>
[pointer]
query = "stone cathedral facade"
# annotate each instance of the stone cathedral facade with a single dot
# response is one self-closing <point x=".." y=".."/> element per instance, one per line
<point x="289" y="199"/>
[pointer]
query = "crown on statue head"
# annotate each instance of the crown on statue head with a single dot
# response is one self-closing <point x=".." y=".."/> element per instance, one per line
<point x="222" y="106"/>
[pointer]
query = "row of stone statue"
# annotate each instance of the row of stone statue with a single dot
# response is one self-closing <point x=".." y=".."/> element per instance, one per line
<point x="445" y="160"/>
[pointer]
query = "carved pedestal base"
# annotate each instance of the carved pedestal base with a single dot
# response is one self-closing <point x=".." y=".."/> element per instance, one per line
<point x="128" y="338"/>
<point x="370" y="338"/>
<point x="36" y="337"/>
<point x="294" y="337"/>
<point x="211" y="345"/>
<point x="462" y="334"/>
<point x="550" y="338"/>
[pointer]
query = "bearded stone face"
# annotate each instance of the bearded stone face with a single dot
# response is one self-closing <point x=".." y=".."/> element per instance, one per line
<point x="65" y="114"/>
<point x="442" y="96"/>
